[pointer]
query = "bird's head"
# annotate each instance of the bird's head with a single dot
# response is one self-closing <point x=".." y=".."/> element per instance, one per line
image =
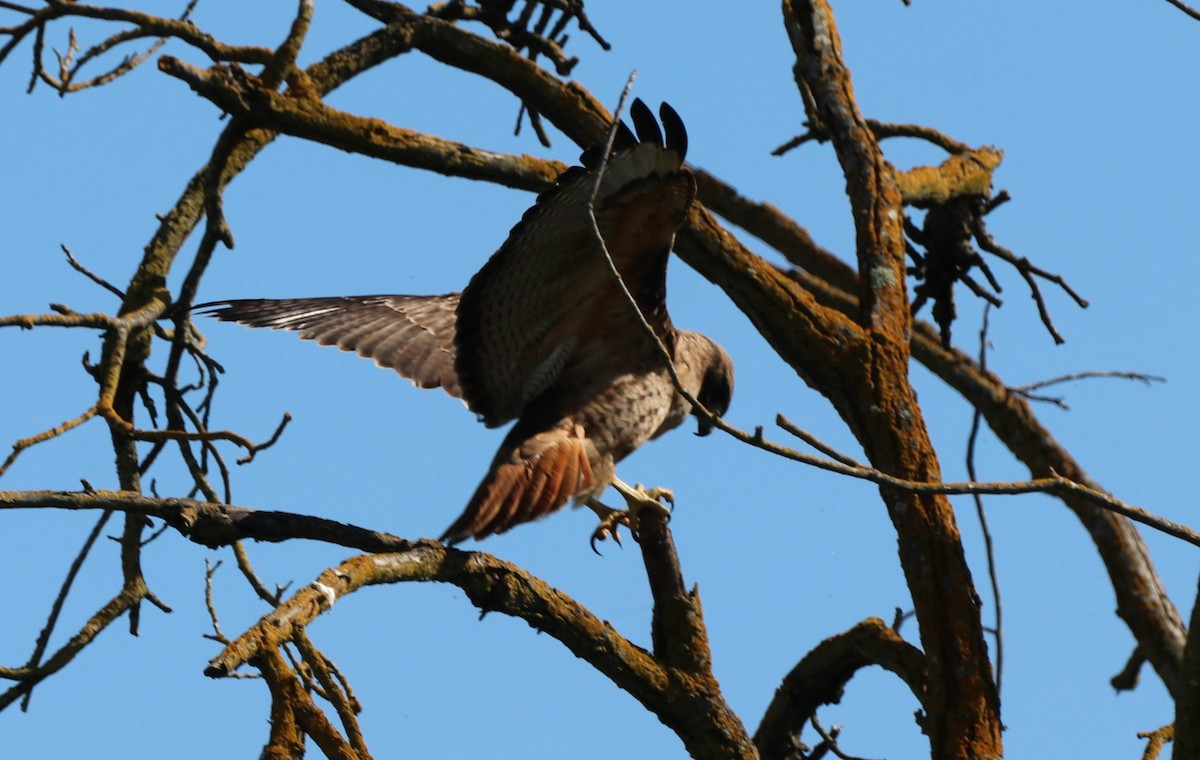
<point x="716" y="383"/>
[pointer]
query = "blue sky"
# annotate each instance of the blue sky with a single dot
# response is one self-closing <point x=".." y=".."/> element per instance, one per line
<point x="1095" y="106"/>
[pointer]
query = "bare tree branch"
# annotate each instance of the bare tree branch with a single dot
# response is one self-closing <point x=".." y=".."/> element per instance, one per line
<point x="821" y="676"/>
<point x="1189" y="10"/>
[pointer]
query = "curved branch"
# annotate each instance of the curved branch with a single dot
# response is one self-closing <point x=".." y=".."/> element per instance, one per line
<point x="493" y="585"/>
<point x="821" y="677"/>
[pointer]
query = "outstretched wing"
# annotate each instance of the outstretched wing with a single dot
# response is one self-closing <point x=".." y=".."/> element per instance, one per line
<point x="413" y="335"/>
<point x="544" y="308"/>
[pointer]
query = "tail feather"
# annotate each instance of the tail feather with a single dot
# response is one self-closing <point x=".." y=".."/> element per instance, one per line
<point x="528" y="480"/>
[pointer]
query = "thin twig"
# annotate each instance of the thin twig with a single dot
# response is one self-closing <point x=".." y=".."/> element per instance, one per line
<point x="1127" y="679"/>
<point x="829" y="739"/>
<point x="1189" y="10"/>
<point x="55" y="609"/>
<point x="243" y="562"/>
<point x="612" y="266"/>
<point x="1027" y="391"/>
<point x="815" y="442"/>
<point x="884" y="130"/>
<point x="69" y="65"/>
<point x="44" y="436"/>
<point x="323" y="669"/>
<point x="91" y="275"/>
<point x="1028" y="271"/>
<point x="988" y="546"/>
<point x="123" y="602"/>
<point x="217" y="635"/>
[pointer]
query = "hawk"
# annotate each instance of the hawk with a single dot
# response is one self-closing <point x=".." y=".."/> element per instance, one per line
<point x="543" y="335"/>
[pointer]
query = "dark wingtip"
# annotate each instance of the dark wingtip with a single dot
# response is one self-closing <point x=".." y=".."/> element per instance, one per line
<point x="645" y="123"/>
<point x="625" y="138"/>
<point x="221" y="310"/>
<point x="677" y="139"/>
<point x="591" y="158"/>
<point x="648" y="131"/>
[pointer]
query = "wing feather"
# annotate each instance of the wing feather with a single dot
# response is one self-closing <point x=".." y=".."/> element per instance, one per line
<point x="414" y="335"/>
<point x="545" y="299"/>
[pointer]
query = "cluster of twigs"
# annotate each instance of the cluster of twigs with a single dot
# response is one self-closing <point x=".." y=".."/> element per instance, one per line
<point x="955" y="205"/>
<point x="536" y="36"/>
<point x="949" y="229"/>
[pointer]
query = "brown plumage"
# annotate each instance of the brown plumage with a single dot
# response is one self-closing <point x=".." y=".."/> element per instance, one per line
<point x="542" y="334"/>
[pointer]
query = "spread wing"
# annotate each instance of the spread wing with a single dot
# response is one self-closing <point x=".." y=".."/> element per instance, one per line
<point x="413" y="335"/>
<point x="544" y="309"/>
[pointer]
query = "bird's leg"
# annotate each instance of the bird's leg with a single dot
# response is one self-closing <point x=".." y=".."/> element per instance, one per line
<point x="639" y="497"/>
<point x="636" y="498"/>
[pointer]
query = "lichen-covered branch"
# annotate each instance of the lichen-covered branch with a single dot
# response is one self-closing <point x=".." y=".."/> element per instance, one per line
<point x="1142" y="601"/>
<point x="212" y="524"/>
<point x="821" y="677"/>
<point x="492" y="585"/>
<point x="241" y="95"/>
<point x="873" y="395"/>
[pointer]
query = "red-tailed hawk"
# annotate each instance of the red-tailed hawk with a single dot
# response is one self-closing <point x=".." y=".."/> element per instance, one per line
<point x="543" y="335"/>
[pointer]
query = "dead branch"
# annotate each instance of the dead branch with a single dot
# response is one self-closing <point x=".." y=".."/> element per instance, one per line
<point x="1187" y="702"/>
<point x="967" y="173"/>
<point x="1127" y="679"/>
<point x="46" y="435"/>
<point x="989" y="548"/>
<point x="1027" y="391"/>
<point x="828" y="741"/>
<point x="297" y="713"/>
<point x="882" y="130"/>
<point x="43" y="638"/>
<point x="29" y="677"/>
<point x="821" y="677"/>
<point x="240" y="95"/>
<point x="1141" y="598"/>
<point x="1159" y="738"/>
<point x="283" y="61"/>
<point x="332" y="685"/>
<point x="146" y="25"/>
<point x="492" y="585"/>
<point x="210" y="524"/>
<point x="1189" y="10"/>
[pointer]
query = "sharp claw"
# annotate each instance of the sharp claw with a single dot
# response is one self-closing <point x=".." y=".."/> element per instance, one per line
<point x="609" y="527"/>
<point x="638" y="498"/>
<point x="669" y="498"/>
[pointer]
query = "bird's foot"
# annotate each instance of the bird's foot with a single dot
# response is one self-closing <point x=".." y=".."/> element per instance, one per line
<point x="610" y="522"/>
<point x="637" y="498"/>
